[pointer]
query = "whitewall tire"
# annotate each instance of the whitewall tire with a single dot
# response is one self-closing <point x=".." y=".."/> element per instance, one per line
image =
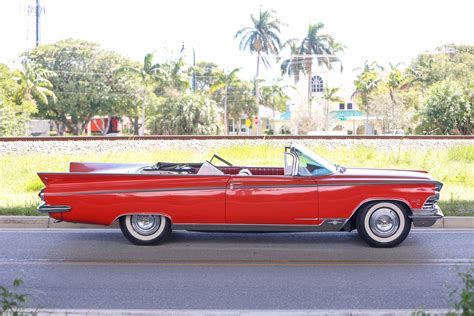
<point x="383" y="224"/>
<point x="143" y="229"/>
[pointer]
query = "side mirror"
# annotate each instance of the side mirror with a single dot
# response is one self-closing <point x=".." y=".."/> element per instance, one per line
<point x="290" y="164"/>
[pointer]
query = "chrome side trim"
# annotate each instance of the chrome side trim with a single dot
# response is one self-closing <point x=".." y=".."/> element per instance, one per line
<point x="331" y="184"/>
<point x="43" y="208"/>
<point x="134" y="191"/>
<point x="278" y="186"/>
<point x="240" y="187"/>
<point x="326" y="226"/>
<point x="309" y="219"/>
<point x="376" y="183"/>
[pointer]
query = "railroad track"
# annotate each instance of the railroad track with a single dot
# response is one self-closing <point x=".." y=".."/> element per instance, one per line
<point x="215" y="137"/>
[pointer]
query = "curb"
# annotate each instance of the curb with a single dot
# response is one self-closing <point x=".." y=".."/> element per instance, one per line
<point x="466" y="222"/>
<point x="43" y="222"/>
<point x="332" y="312"/>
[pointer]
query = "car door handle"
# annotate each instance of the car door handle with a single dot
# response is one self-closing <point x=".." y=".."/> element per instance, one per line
<point x="234" y="185"/>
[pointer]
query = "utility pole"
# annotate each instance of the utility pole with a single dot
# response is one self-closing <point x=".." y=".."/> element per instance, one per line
<point x="37" y="24"/>
<point x="182" y="51"/>
<point x="194" y="70"/>
<point x="37" y="10"/>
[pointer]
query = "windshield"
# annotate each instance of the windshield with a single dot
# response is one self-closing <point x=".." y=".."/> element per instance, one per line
<point x="312" y="164"/>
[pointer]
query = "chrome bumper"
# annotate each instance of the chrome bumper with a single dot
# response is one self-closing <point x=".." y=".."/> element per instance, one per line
<point x="426" y="217"/>
<point x="43" y="208"/>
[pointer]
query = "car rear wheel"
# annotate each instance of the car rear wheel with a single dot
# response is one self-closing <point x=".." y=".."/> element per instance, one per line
<point x="383" y="224"/>
<point x="145" y="229"/>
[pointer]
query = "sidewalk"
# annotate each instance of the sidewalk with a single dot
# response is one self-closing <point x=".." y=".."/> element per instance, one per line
<point x="332" y="312"/>
<point x="462" y="222"/>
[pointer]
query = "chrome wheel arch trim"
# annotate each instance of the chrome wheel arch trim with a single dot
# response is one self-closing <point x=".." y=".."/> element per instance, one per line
<point x="143" y="214"/>
<point x="378" y="199"/>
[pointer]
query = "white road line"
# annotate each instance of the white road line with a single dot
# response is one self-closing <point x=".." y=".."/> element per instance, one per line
<point x="115" y="230"/>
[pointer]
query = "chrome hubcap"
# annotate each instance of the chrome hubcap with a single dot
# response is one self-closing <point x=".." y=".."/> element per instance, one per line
<point x="384" y="222"/>
<point x="145" y="224"/>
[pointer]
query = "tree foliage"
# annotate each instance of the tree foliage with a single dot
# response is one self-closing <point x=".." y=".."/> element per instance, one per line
<point x="365" y="83"/>
<point x="15" y="108"/>
<point x="84" y="76"/>
<point x="454" y="61"/>
<point x="447" y="110"/>
<point x="184" y="115"/>
<point x="225" y="81"/>
<point x="450" y="69"/>
<point x="241" y="100"/>
<point x="206" y="75"/>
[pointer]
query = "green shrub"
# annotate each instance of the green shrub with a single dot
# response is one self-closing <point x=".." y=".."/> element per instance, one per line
<point x="12" y="302"/>
<point x="34" y="185"/>
<point x="465" y="304"/>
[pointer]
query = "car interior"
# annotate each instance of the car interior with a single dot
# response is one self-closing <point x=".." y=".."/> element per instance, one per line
<point x="209" y="168"/>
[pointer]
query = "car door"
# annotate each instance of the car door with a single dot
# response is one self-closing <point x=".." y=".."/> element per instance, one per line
<point x="282" y="200"/>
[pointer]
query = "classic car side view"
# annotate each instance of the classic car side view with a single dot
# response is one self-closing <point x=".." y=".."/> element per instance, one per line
<point x="307" y="194"/>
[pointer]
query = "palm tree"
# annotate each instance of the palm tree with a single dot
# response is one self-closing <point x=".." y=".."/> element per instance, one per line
<point x="263" y="37"/>
<point x="292" y="66"/>
<point x="323" y="46"/>
<point x="330" y="95"/>
<point x="172" y="76"/>
<point x="223" y="82"/>
<point x="34" y="82"/>
<point x="396" y="79"/>
<point x="148" y="75"/>
<point x="319" y="45"/>
<point x="366" y="82"/>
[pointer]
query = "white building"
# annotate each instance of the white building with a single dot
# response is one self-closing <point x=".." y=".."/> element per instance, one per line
<point x="324" y="118"/>
<point x="327" y="117"/>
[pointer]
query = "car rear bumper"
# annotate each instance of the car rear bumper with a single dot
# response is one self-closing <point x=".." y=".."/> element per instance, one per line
<point x="43" y="208"/>
<point x="426" y="217"/>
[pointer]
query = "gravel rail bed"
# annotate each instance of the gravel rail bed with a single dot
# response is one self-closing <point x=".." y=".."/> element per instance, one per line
<point x="107" y="146"/>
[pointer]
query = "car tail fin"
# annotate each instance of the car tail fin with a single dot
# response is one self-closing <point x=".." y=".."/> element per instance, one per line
<point x="43" y="178"/>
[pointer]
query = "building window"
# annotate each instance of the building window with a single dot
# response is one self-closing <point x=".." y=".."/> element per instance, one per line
<point x="243" y="127"/>
<point x="341" y="106"/>
<point x="317" y="84"/>
<point x="230" y="125"/>
<point x="349" y="106"/>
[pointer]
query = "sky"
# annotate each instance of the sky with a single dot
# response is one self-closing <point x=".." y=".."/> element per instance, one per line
<point x="381" y="30"/>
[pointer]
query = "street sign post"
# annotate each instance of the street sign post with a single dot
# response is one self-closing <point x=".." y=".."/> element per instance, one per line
<point x="256" y="121"/>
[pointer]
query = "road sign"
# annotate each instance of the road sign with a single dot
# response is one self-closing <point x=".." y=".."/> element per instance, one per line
<point x="256" y="120"/>
<point x="248" y="122"/>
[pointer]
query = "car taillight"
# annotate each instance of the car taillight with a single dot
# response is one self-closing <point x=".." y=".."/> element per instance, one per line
<point x="41" y="194"/>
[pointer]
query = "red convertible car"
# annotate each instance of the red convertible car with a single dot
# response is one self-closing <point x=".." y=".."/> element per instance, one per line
<point x="307" y="194"/>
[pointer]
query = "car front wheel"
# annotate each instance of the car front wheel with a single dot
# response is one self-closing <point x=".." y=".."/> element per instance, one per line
<point x="145" y="229"/>
<point x="383" y="224"/>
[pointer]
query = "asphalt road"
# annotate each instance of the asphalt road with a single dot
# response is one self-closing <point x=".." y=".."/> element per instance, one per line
<point x="99" y="269"/>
